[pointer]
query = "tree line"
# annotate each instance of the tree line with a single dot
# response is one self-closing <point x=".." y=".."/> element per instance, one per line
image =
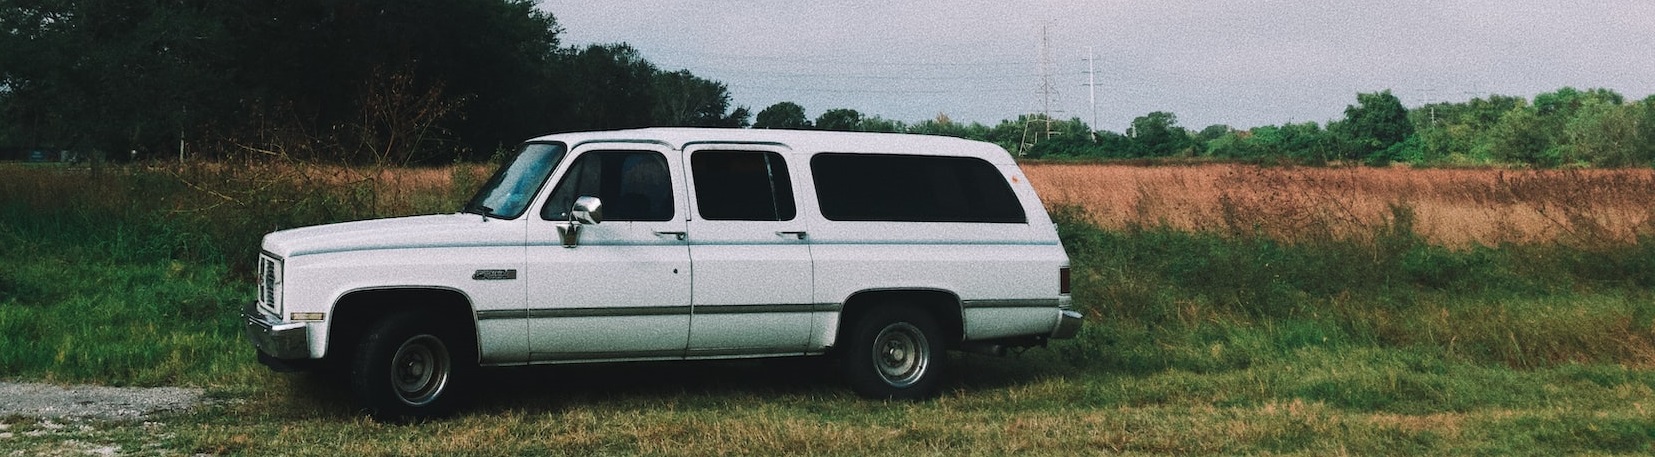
<point x="1566" y="127"/>
<point x="403" y="81"/>
<point x="355" y="80"/>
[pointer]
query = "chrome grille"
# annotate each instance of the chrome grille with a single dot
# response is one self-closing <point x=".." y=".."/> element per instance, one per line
<point x="270" y="284"/>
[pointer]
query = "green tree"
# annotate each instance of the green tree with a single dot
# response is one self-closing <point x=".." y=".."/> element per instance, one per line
<point x="1212" y="132"/>
<point x="117" y="75"/>
<point x="782" y="115"/>
<point x="1113" y="145"/>
<point x="841" y="119"/>
<point x="110" y="75"/>
<point x="946" y="126"/>
<point x="880" y="124"/>
<point x="1373" y="126"/>
<point x="1644" y="152"/>
<point x="311" y="60"/>
<point x="612" y="88"/>
<point x="1157" y="134"/>
<point x="1233" y="145"/>
<point x="1460" y="131"/>
<point x="1563" y="103"/>
<point x="1519" y="138"/>
<point x="1606" y="135"/>
<point x="683" y="99"/>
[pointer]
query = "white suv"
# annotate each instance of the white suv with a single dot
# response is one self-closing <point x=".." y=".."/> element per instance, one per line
<point x="678" y="243"/>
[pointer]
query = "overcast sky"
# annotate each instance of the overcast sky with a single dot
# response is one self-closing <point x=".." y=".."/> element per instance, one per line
<point x="1244" y="63"/>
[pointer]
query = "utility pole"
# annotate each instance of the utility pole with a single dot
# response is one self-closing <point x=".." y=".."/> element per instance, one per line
<point x="1092" y="91"/>
<point x="1047" y="88"/>
<point x="1431" y="104"/>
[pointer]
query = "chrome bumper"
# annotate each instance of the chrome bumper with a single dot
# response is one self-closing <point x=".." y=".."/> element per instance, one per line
<point x="274" y="338"/>
<point x="1068" y="324"/>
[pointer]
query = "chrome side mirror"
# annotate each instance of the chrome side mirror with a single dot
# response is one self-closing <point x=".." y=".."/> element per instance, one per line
<point x="587" y="210"/>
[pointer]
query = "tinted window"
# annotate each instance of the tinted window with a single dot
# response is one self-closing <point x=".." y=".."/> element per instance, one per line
<point x="634" y="186"/>
<point x="866" y="187"/>
<point x="742" y="186"/>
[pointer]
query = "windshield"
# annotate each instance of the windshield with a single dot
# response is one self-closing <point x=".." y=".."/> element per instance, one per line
<point x="508" y="193"/>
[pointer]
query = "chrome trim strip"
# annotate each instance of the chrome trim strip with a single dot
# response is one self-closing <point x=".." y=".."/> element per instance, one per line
<point x="619" y="140"/>
<point x="548" y="313"/>
<point x="410" y="245"/>
<point x="747" y="352"/>
<point x="1011" y="303"/>
<point x="625" y="311"/>
<point x="712" y="145"/>
<point x="544" y="357"/>
<point x="754" y="309"/>
<point x="502" y="314"/>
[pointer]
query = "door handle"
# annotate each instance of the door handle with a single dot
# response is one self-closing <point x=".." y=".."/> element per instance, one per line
<point x="799" y="235"/>
<point x="679" y="235"/>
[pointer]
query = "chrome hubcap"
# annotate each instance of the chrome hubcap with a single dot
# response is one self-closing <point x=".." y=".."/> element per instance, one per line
<point x="901" y="354"/>
<point x="420" y="369"/>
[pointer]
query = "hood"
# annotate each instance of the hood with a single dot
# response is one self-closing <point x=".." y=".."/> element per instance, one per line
<point x="446" y="230"/>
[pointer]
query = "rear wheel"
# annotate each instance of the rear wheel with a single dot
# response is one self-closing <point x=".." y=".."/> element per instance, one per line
<point x="894" y="353"/>
<point x="408" y="367"/>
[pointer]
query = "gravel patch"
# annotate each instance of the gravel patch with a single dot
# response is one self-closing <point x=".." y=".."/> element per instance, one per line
<point x="98" y="402"/>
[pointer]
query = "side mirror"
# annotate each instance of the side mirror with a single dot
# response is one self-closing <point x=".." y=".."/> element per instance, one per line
<point x="588" y="210"/>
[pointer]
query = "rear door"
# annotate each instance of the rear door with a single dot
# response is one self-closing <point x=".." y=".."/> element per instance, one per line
<point x="752" y="293"/>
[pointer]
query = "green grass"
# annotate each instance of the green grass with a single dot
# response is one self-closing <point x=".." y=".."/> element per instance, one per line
<point x="1197" y="343"/>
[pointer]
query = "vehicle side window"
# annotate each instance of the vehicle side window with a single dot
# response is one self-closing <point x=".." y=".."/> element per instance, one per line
<point x="907" y="188"/>
<point x="742" y="186"/>
<point x="634" y="186"/>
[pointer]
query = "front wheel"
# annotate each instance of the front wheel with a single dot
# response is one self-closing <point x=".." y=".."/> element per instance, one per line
<point x="407" y="367"/>
<point x="895" y="353"/>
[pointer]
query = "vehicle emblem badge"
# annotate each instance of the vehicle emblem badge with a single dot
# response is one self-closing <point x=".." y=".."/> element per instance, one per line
<point x="494" y="275"/>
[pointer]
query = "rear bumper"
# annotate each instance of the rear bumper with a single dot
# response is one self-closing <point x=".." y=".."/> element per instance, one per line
<point x="1068" y="324"/>
<point x="281" y="340"/>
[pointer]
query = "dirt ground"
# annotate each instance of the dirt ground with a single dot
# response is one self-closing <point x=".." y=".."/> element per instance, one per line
<point x="94" y="402"/>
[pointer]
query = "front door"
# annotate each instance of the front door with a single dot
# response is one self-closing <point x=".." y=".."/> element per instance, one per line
<point x="623" y="291"/>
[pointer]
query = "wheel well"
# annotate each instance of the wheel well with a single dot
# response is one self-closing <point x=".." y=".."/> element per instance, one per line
<point x="357" y="311"/>
<point x="942" y="305"/>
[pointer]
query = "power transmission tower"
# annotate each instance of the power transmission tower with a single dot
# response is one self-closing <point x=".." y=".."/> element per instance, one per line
<point x="1047" y="91"/>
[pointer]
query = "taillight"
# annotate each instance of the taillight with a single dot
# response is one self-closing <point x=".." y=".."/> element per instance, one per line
<point x="1063" y="280"/>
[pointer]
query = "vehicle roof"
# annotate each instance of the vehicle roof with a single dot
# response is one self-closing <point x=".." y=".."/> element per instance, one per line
<point x="805" y="141"/>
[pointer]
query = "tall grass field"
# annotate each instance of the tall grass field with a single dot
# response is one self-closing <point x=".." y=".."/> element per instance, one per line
<point x="1231" y="310"/>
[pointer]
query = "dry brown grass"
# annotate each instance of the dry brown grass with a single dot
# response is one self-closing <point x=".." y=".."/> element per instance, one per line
<point x="1452" y="207"/>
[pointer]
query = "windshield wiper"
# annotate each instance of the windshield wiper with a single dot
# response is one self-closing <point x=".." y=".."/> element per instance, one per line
<point x="477" y="209"/>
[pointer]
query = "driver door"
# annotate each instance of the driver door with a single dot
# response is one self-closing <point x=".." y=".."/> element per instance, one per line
<point x="622" y="291"/>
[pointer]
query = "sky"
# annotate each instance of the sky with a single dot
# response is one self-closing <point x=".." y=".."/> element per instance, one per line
<point x="1243" y="63"/>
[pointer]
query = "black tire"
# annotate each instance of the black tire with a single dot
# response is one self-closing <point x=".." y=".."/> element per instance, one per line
<point x="408" y="367"/>
<point x="894" y="353"/>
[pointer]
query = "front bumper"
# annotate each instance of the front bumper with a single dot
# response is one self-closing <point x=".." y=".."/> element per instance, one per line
<point x="1068" y="324"/>
<point x="281" y="340"/>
